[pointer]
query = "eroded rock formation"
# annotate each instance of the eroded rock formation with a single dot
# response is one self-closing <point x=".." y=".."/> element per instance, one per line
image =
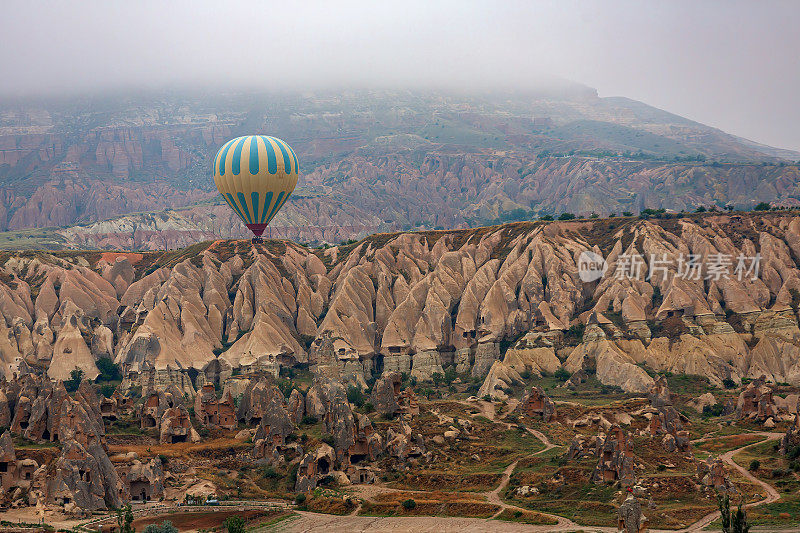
<point x="504" y="302"/>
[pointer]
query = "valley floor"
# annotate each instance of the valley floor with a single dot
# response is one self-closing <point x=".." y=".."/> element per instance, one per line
<point x="272" y="515"/>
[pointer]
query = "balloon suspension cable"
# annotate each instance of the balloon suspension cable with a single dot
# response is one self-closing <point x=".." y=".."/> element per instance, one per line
<point x="258" y="239"/>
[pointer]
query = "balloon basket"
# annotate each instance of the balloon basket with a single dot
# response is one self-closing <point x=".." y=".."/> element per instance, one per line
<point x="258" y="240"/>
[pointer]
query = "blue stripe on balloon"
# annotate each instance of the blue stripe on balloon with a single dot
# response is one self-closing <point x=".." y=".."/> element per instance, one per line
<point x="296" y="164"/>
<point x="254" y="156"/>
<point x="223" y="156"/>
<point x="272" y="159"/>
<point x="236" y="164"/>
<point x="267" y="202"/>
<point x="243" y="204"/>
<point x="276" y="207"/>
<point x="232" y="203"/>
<point x="287" y="164"/>
<point x="254" y="201"/>
<point x="280" y="205"/>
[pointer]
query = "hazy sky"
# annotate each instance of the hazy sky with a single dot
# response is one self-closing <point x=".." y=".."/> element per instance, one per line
<point x="730" y="64"/>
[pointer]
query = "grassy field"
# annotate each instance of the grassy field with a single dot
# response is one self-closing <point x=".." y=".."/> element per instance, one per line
<point x="33" y="239"/>
<point x="776" y="470"/>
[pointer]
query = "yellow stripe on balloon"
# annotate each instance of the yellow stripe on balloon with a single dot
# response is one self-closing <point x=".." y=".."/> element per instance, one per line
<point x="238" y="188"/>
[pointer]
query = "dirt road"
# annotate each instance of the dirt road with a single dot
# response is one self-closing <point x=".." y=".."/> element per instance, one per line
<point x="309" y="522"/>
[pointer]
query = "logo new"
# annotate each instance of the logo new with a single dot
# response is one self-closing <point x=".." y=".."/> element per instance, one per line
<point x="591" y="266"/>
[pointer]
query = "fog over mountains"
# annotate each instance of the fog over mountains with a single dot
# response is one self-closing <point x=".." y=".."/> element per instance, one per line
<point x="132" y="170"/>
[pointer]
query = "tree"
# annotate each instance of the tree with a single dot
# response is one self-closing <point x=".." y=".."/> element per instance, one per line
<point x="125" y="519"/>
<point x="165" y="527"/>
<point x="754" y="465"/>
<point x="701" y="209"/>
<point x="566" y="216"/>
<point x="235" y="524"/>
<point x="355" y="396"/>
<point x="725" y="513"/>
<point x="740" y="524"/>
<point x="561" y="374"/>
<point x="74" y="381"/>
<point x="437" y="378"/>
<point x="546" y="217"/>
<point x="762" y="206"/>
<point x="409" y="504"/>
<point x="108" y="370"/>
<point x="732" y="522"/>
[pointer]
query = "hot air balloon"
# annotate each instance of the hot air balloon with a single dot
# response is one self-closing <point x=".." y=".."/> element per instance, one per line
<point x="255" y="175"/>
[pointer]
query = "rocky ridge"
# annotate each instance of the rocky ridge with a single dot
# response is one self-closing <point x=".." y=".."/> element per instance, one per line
<point x="499" y="301"/>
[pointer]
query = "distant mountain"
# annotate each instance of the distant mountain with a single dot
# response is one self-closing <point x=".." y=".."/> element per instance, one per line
<point x="370" y="161"/>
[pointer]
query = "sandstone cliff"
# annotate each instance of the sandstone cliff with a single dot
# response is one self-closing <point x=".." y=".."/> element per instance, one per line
<point x="504" y="301"/>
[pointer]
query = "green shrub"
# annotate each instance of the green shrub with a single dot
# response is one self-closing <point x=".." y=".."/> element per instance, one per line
<point x="108" y="370"/>
<point x="561" y="374"/>
<point x="713" y="410"/>
<point x="574" y="334"/>
<point x="234" y="524"/>
<point x="165" y="527"/>
<point x="355" y="396"/>
<point x="74" y="381"/>
<point x="409" y="504"/>
<point x="793" y="453"/>
<point x="269" y="473"/>
<point x="754" y="465"/>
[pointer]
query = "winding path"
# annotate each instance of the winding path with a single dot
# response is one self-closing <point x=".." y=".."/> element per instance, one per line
<point x="309" y="522"/>
<point x="566" y="524"/>
<point x="727" y="457"/>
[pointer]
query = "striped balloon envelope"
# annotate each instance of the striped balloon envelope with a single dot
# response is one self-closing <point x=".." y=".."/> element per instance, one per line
<point x="255" y="175"/>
